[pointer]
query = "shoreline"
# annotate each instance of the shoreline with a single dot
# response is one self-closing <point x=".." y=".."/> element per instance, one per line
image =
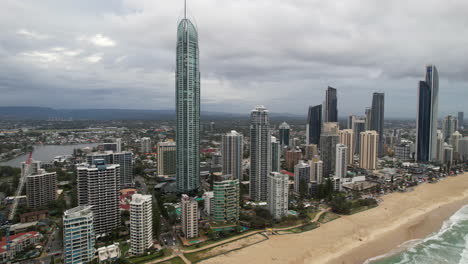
<point x="353" y="239"/>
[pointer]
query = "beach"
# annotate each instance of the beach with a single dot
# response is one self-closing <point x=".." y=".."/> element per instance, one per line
<point x="354" y="239"/>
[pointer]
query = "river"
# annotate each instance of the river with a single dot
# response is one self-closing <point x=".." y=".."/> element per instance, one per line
<point x="46" y="153"/>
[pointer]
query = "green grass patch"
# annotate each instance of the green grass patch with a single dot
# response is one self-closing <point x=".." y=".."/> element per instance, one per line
<point x="362" y="209"/>
<point x="176" y="260"/>
<point x="304" y="228"/>
<point x="327" y="217"/>
<point x="142" y="259"/>
<point x="209" y="242"/>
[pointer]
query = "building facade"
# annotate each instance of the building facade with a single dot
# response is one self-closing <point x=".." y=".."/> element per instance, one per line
<point x="331" y="105"/>
<point x="449" y="126"/>
<point x="314" y="125"/>
<point x="260" y="153"/>
<point x="187" y="86"/>
<point x="341" y="161"/>
<point x="124" y="159"/>
<point x="377" y="119"/>
<point x="278" y="191"/>
<point x="189" y="215"/>
<point x="284" y="134"/>
<point x="145" y="145"/>
<point x="359" y="125"/>
<point x="301" y="177"/>
<point x="275" y="154"/>
<point x="78" y="235"/>
<point x="347" y="139"/>
<point x="427" y="116"/>
<point x="226" y="200"/>
<point x="369" y="149"/>
<point x="293" y="156"/>
<point x="328" y="141"/>
<point x="98" y="187"/>
<point x="166" y="152"/>
<point x="232" y="152"/>
<point x="41" y="188"/>
<point x="141" y="224"/>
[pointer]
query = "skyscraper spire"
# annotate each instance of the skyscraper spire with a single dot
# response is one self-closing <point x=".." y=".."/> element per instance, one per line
<point x="185" y="9"/>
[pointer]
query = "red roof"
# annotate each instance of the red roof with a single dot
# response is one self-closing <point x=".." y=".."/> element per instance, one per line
<point x="13" y="237"/>
<point x="287" y="172"/>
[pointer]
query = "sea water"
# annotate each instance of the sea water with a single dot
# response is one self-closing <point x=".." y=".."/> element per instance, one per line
<point x="448" y="246"/>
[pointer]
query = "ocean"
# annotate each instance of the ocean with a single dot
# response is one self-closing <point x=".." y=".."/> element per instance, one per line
<point x="447" y="246"/>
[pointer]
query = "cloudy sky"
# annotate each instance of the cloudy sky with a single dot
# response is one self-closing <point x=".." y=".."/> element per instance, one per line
<point x="279" y="53"/>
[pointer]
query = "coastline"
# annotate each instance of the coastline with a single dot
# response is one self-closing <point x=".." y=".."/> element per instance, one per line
<point x="401" y="217"/>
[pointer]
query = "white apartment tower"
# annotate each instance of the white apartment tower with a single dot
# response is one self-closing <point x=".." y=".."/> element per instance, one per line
<point x="347" y="139"/>
<point x="141" y="224"/>
<point x="278" y="187"/>
<point x="341" y="162"/>
<point x="232" y="152"/>
<point x="260" y="153"/>
<point x="189" y="216"/>
<point x="301" y="177"/>
<point x="78" y="235"/>
<point x="98" y="187"/>
<point x="145" y="144"/>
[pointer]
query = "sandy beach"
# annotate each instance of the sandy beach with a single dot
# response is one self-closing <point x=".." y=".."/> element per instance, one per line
<point x="356" y="238"/>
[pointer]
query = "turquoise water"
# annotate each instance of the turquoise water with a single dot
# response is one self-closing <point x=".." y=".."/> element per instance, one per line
<point x="448" y="246"/>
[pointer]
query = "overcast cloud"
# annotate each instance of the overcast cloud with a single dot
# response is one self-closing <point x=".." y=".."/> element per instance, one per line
<point x="280" y="53"/>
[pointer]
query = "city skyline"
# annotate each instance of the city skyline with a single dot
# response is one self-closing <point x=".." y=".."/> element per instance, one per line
<point x="136" y="71"/>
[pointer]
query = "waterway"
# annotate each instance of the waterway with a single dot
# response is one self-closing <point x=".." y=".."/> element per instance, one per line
<point x="46" y="153"/>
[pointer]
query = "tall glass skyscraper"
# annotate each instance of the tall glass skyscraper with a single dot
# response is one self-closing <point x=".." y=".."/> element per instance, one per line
<point x="331" y="105"/>
<point x="260" y="153"/>
<point x="426" y="127"/>
<point x="377" y="118"/>
<point x="314" y="124"/>
<point x="187" y="107"/>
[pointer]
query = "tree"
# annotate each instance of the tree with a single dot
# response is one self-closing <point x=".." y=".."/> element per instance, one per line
<point x="340" y="204"/>
<point x="156" y="220"/>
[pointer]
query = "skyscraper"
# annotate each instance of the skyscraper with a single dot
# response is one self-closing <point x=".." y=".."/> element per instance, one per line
<point x="278" y="184"/>
<point x="350" y="121"/>
<point x="460" y="121"/>
<point x="124" y="159"/>
<point x="166" y="152"/>
<point x="311" y="151"/>
<point x="328" y="141"/>
<point x="426" y="122"/>
<point x="359" y="126"/>
<point x="293" y="156"/>
<point x="455" y="141"/>
<point x="284" y="131"/>
<point x="232" y="152"/>
<point x="275" y="154"/>
<point x="341" y="162"/>
<point x="377" y="118"/>
<point x="260" y="153"/>
<point x="141" y="223"/>
<point x="316" y="170"/>
<point x="98" y="187"/>
<point x="368" y="157"/>
<point x="189" y="214"/>
<point x="368" y="119"/>
<point x="78" y="235"/>
<point x="187" y="85"/>
<point x="331" y="105"/>
<point x="314" y="125"/>
<point x="440" y="146"/>
<point x="347" y="138"/>
<point x="449" y="126"/>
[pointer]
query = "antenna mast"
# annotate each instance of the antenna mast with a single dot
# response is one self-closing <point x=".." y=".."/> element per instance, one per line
<point x="185" y="9"/>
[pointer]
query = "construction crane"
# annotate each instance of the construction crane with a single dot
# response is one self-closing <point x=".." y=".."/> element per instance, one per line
<point x="27" y="170"/>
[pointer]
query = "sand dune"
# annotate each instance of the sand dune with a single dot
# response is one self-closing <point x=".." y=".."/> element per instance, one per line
<point x="353" y="239"/>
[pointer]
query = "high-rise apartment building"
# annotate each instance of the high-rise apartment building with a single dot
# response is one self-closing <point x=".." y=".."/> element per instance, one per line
<point x="341" y="161"/>
<point x="311" y="151"/>
<point x="449" y="126"/>
<point x="314" y="125"/>
<point x="284" y="134"/>
<point x="232" y="152"/>
<point x="427" y="117"/>
<point x="145" y="143"/>
<point x="316" y="171"/>
<point x="369" y="148"/>
<point x="78" y="235"/>
<point x="368" y="119"/>
<point x="301" y="177"/>
<point x="440" y="146"/>
<point x="124" y="159"/>
<point x="328" y="140"/>
<point x="41" y="188"/>
<point x="187" y="107"/>
<point x="448" y="155"/>
<point x="455" y="141"/>
<point x="461" y="121"/>
<point x="331" y="105"/>
<point x="278" y="191"/>
<point x="226" y="199"/>
<point x="359" y="126"/>
<point x="275" y="154"/>
<point x="347" y="138"/>
<point x="260" y="153"/>
<point x="98" y="187"/>
<point x="189" y="214"/>
<point x="118" y="143"/>
<point x="377" y="119"/>
<point x="166" y="152"/>
<point x="141" y="224"/>
<point x="293" y="156"/>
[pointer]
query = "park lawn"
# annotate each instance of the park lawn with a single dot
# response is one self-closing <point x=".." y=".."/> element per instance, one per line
<point x="362" y="209"/>
<point x="327" y="217"/>
<point x="175" y="260"/>
<point x="209" y="242"/>
<point x="304" y="228"/>
<point x="142" y="259"/>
